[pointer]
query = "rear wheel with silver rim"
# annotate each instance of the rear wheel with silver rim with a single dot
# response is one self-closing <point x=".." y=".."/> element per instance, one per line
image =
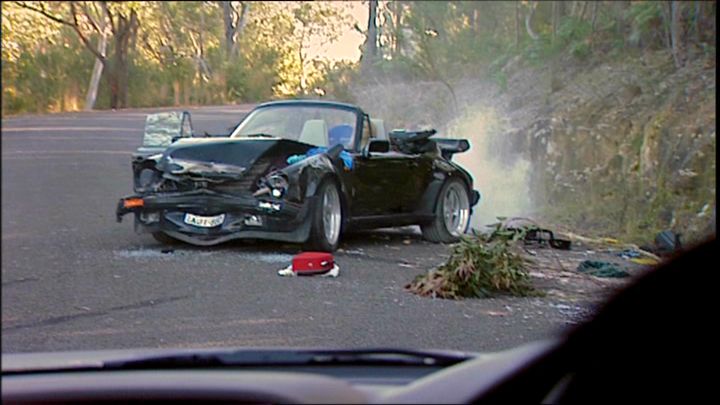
<point x="327" y="219"/>
<point x="452" y="214"/>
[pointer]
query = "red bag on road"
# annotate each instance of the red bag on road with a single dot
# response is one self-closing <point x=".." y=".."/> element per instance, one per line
<point x="311" y="264"/>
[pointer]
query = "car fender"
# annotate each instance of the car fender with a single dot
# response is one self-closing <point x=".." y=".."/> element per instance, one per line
<point x="306" y="176"/>
<point x="313" y="175"/>
<point x="444" y="171"/>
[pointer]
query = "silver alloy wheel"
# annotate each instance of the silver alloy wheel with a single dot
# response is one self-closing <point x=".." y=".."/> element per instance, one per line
<point x="456" y="209"/>
<point x="332" y="214"/>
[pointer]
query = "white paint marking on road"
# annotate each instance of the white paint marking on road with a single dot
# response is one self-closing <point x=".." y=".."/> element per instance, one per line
<point x="55" y="129"/>
<point x="142" y="254"/>
<point x="63" y="138"/>
<point x="161" y="253"/>
<point x="64" y="152"/>
<point x="270" y="257"/>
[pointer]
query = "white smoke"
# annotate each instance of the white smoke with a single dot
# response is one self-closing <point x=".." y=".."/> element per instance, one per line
<point x="502" y="180"/>
<point x="501" y="177"/>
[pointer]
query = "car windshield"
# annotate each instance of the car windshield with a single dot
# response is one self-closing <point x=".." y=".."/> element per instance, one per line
<point x="319" y="126"/>
<point x="461" y="175"/>
<point x="162" y="128"/>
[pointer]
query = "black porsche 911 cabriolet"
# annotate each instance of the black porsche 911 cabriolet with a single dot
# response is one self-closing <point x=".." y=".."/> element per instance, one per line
<point x="301" y="171"/>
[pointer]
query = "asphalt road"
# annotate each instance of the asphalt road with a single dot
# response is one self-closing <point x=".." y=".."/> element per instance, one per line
<point x="74" y="279"/>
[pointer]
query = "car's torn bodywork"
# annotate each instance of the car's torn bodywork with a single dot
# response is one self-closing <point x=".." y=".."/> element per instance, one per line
<point x="206" y="191"/>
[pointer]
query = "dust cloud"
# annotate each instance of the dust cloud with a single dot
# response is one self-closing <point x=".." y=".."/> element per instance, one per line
<point x="501" y="179"/>
<point x="472" y="111"/>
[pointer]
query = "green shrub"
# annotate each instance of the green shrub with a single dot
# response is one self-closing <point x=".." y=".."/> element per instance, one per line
<point x="480" y="266"/>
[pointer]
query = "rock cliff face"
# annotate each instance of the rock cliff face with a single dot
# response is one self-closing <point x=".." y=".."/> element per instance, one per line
<point x="625" y="147"/>
<point x="622" y="147"/>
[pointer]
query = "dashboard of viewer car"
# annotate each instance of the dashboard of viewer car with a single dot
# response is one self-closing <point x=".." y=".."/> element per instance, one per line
<point x="327" y="383"/>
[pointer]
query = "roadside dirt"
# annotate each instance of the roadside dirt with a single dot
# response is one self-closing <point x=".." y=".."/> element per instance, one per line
<point x="555" y="272"/>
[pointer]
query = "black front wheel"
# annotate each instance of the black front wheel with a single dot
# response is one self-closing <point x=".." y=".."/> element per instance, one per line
<point x="326" y="219"/>
<point x="452" y="214"/>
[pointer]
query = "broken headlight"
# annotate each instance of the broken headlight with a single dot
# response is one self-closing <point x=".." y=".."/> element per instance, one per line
<point x="276" y="184"/>
<point x="147" y="179"/>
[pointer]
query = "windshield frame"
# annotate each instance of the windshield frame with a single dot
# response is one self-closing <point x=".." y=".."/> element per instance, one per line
<point x="359" y="114"/>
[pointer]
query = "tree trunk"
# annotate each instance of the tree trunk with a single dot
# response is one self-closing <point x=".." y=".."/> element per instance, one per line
<point x="176" y="92"/>
<point x="621" y="7"/>
<point x="371" y="45"/>
<point x="229" y="29"/>
<point x="676" y="33"/>
<point x="528" y="21"/>
<point x="583" y="10"/>
<point x="698" y="16"/>
<point x="714" y="23"/>
<point x="119" y="67"/>
<point x="555" y="18"/>
<point x="397" y="41"/>
<point x="372" y="28"/>
<point x="96" y="75"/>
<point x="234" y="24"/>
<point x="122" y="75"/>
<point x="517" y="24"/>
<point x="594" y="16"/>
<point x="239" y="27"/>
<point x="665" y="9"/>
<point x="113" y="85"/>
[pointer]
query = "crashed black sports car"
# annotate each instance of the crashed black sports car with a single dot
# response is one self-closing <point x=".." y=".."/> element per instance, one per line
<point x="301" y="171"/>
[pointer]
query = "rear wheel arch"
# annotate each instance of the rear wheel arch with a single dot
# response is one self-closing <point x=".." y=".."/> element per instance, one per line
<point x="434" y="189"/>
<point x="436" y="230"/>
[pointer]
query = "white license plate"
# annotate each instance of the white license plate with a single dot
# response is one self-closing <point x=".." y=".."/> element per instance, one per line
<point x="204" y="222"/>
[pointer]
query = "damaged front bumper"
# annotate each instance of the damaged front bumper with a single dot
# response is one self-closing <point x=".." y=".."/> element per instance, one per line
<point x="240" y="217"/>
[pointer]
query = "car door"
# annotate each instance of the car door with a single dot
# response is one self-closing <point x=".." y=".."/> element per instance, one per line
<point x="416" y="170"/>
<point x="378" y="184"/>
<point x="376" y="180"/>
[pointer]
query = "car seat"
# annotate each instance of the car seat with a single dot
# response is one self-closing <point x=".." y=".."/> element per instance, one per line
<point x="315" y="133"/>
<point x="378" y="129"/>
<point x="341" y="134"/>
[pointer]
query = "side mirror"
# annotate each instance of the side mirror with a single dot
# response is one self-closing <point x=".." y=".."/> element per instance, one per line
<point x="376" y="146"/>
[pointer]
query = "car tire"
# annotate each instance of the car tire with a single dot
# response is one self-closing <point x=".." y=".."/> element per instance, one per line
<point x="327" y="218"/>
<point x="452" y="214"/>
<point x="164" y="238"/>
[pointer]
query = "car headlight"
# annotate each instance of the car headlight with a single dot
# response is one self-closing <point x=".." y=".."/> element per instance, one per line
<point x="147" y="178"/>
<point x="276" y="184"/>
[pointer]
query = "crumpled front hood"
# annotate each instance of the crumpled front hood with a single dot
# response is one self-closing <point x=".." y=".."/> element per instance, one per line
<point x="227" y="158"/>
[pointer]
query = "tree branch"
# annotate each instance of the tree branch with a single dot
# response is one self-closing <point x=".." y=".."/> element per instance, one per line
<point x="152" y="50"/>
<point x="241" y="20"/>
<point x="91" y="19"/>
<point x="43" y="12"/>
<point x="74" y="25"/>
<point x="84" y="40"/>
<point x="109" y="16"/>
